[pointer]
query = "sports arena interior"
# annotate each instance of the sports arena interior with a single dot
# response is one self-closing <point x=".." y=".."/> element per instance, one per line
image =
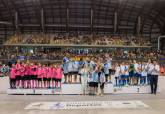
<point x="82" y="56"/>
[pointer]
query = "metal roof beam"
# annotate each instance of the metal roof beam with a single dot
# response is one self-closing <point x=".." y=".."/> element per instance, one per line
<point x="29" y="25"/>
<point x="5" y="23"/>
<point x="125" y="27"/>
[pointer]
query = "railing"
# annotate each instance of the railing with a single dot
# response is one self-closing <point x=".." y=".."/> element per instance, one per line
<point x="60" y="60"/>
<point x="73" y="45"/>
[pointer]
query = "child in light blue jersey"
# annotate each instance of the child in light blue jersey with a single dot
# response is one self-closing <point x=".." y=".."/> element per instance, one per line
<point x="65" y="71"/>
<point x="143" y="79"/>
<point x="93" y="81"/>
<point x="106" y="71"/>
<point x="109" y="63"/>
<point x="126" y="74"/>
<point x="70" y="71"/>
<point x="75" y="71"/>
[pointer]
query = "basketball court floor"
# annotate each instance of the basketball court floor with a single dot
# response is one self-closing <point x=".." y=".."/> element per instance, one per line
<point x="121" y="103"/>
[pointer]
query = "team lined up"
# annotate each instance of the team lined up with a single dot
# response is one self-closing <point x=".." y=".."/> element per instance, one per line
<point x="99" y="71"/>
<point x="30" y="75"/>
<point x="90" y="72"/>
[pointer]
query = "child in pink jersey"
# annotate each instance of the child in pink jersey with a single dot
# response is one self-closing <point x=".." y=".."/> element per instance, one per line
<point x="0" y="70"/>
<point x="27" y="76"/>
<point x="58" y="76"/>
<point x="40" y="75"/>
<point x="22" y="74"/>
<point x="54" y="76"/>
<point x="45" y="71"/>
<point x="49" y="75"/>
<point x="32" y="75"/>
<point x="34" y="72"/>
<point x="18" y="74"/>
<point x="13" y="77"/>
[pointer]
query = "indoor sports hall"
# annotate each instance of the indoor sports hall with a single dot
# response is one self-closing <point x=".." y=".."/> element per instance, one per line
<point x="82" y="56"/>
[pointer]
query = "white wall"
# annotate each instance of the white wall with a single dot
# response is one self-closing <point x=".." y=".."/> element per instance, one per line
<point x="4" y="84"/>
<point x="161" y="83"/>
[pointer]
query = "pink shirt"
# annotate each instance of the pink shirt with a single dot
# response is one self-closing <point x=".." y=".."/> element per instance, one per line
<point x="13" y="73"/>
<point x="18" y="69"/>
<point x="27" y="70"/>
<point x="33" y="70"/>
<point x="58" y="73"/>
<point x="40" y="72"/>
<point x="22" y="70"/>
<point x="54" y="73"/>
<point x="50" y="72"/>
<point x="0" y="71"/>
<point x="45" y="71"/>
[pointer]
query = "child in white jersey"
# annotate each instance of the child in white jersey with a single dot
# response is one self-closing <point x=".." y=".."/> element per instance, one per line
<point x="143" y="79"/>
<point x="126" y="74"/>
<point x="84" y="78"/>
<point x="117" y="73"/>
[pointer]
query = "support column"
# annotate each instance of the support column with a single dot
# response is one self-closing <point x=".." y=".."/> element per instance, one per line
<point x="139" y="26"/>
<point x="91" y="21"/>
<point x="115" y="22"/>
<point x="67" y="20"/>
<point x="16" y="22"/>
<point x="42" y="20"/>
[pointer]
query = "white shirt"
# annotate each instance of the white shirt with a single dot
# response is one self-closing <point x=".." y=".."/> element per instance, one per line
<point x="155" y="69"/>
<point x="109" y="62"/>
<point x="122" y="68"/>
<point x="75" y="66"/>
<point x="84" y="72"/>
<point x="149" y="68"/>
<point x="117" y="71"/>
<point x="144" y="71"/>
<point x="139" y="68"/>
<point x="136" y="65"/>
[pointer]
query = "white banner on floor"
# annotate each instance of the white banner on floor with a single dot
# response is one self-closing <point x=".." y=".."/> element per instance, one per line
<point x="86" y="105"/>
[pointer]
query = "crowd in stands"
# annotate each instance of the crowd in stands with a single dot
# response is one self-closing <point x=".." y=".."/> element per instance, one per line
<point x="5" y="68"/>
<point x="8" y="53"/>
<point x="76" y="39"/>
<point x="58" y="54"/>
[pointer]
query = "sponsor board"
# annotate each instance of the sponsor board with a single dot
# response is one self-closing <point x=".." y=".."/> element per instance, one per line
<point x="86" y="105"/>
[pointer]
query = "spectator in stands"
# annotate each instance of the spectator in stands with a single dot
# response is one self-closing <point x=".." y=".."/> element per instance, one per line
<point x="74" y="39"/>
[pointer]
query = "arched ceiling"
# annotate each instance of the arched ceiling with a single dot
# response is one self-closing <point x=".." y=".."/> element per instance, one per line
<point x="152" y="13"/>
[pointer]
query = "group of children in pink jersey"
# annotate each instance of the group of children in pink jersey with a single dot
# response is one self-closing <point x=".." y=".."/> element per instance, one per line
<point x="30" y="75"/>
